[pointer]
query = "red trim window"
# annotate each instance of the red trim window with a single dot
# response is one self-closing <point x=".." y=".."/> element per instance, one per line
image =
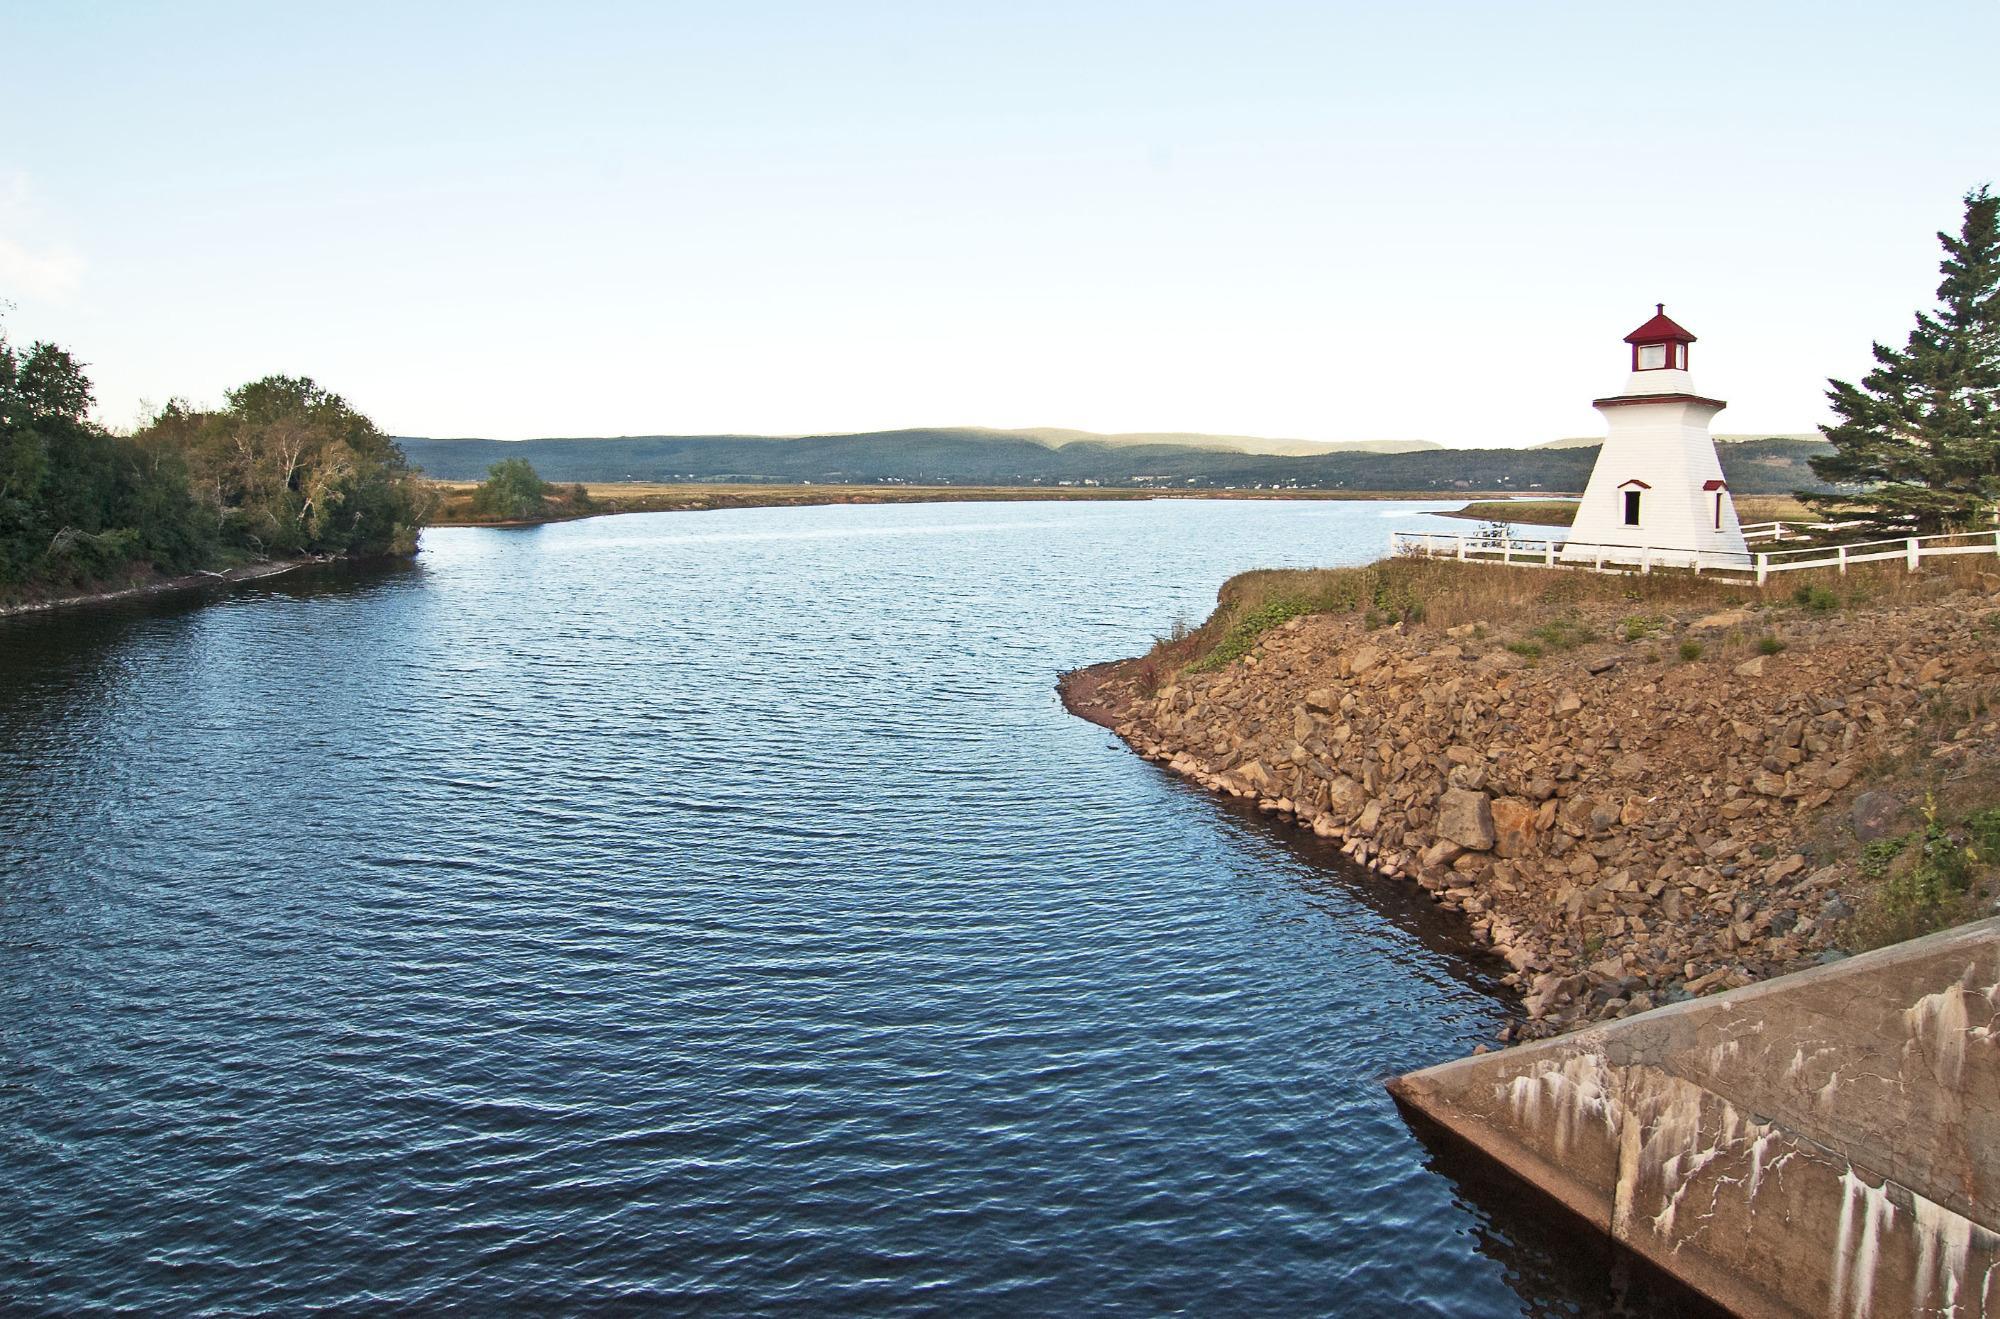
<point x="1659" y="357"/>
<point x="1631" y="490"/>
<point x="1720" y="489"/>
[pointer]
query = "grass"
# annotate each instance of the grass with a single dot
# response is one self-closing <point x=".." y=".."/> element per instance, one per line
<point x="1539" y="512"/>
<point x="1752" y="509"/>
<point x="1535" y="610"/>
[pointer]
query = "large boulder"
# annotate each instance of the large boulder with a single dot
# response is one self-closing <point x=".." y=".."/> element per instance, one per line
<point x="1345" y="798"/>
<point x="1878" y="815"/>
<point x="1466" y="818"/>
<point x="1513" y="826"/>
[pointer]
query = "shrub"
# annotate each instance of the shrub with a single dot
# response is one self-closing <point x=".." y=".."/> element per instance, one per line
<point x="1690" y="651"/>
<point x="512" y="490"/>
<point x="1769" y="645"/>
<point x="1983" y="827"/>
<point x="1816" y="598"/>
<point x="1923" y="880"/>
<point x="1562" y="634"/>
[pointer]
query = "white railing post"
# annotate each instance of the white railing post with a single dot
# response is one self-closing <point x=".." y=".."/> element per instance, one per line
<point x="1549" y="553"/>
<point x="1697" y="563"/>
<point x="1461" y="547"/>
<point x="1911" y="553"/>
<point x="1843" y="561"/>
<point x="1507" y="550"/>
<point x="1646" y="561"/>
<point x="1763" y="567"/>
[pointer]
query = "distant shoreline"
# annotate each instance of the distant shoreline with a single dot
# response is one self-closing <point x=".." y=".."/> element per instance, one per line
<point x="249" y="572"/>
<point x="612" y="498"/>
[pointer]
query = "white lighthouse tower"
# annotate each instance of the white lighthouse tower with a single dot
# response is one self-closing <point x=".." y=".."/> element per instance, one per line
<point x="1657" y="494"/>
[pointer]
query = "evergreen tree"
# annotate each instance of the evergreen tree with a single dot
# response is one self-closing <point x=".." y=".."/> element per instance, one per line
<point x="1922" y="430"/>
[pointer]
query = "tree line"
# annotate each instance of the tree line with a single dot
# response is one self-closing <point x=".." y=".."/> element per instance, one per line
<point x="285" y="468"/>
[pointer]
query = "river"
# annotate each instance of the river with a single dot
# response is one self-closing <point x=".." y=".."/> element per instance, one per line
<point x="713" y="912"/>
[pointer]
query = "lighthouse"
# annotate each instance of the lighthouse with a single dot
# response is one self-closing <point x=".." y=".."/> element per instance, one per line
<point x="1657" y="494"/>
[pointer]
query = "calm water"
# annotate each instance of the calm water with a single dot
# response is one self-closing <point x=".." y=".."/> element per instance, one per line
<point x="715" y="911"/>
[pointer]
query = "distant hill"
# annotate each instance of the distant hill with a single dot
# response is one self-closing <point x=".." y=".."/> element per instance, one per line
<point x="1055" y="437"/>
<point x="968" y="456"/>
<point x="1592" y="441"/>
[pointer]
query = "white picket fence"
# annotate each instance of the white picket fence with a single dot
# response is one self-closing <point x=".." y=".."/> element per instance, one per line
<point x="1758" y="565"/>
<point x="1757" y="531"/>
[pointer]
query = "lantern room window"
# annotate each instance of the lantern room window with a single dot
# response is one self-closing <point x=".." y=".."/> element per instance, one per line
<point x="1681" y="356"/>
<point x="1652" y="356"/>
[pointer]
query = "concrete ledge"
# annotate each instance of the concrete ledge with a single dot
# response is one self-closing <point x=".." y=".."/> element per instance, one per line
<point x="1826" y="1143"/>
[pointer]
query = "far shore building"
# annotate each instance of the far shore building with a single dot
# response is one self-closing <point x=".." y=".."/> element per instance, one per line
<point x="1657" y="494"/>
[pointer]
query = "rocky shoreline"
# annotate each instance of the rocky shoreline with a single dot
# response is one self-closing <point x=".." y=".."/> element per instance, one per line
<point x="1626" y="823"/>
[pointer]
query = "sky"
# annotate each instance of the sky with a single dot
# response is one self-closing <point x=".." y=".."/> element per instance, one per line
<point x="1326" y="221"/>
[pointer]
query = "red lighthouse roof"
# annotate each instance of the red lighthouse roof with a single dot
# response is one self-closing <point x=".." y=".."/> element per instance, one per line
<point x="1661" y="329"/>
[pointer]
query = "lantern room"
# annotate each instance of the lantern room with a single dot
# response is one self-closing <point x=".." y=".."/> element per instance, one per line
<point x="1659" y="344"/>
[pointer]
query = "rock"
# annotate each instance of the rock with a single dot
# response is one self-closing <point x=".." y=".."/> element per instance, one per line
<point x="1364" y="659"/>
<point x="1441" y="853"/>
<point x="1567" y="704"/>
<point x="1602" y="664"/>
<point x="1768" y="784"/>
<point x="1751" y="668"/>
<point x="1722" y="619"/>
<point x="1835" y="908"/>
<point x="1791" y="865"/>
<point x="1466" y="818"/>
<point x="1876" y="814"/>
<point x="1371" y="817"/>
<point x="1345" y="797"/>
<point x="1513" y="826"/>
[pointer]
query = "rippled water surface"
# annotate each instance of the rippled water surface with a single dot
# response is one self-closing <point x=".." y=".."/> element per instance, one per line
<point x="715" y="911"/>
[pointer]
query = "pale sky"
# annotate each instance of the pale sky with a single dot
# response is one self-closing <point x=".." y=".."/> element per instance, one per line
<point x="1324" y="221"/>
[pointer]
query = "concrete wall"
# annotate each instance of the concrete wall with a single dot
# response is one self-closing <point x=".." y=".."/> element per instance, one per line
<point x="1826" y="1143"/>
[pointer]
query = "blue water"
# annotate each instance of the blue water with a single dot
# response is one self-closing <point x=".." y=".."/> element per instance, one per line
<point x="712" y="912"/>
